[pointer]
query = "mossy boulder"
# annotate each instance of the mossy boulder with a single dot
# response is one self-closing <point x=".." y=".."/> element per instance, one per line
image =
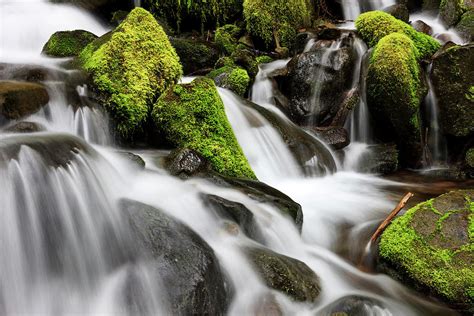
<point x="194" y="14"/>
<point x="374" y="25"/>
<point x="235" y="79"/>
<point x="452" y="76"/>
<point x="130" y="67"/>
<point x="469" y="159"/>
<point x="195" y="55"/>
<point x="395" y="92"/>
<point x="20" y="99"/>
<point x="227" y="38"/>
<point x="276" y="22"/>
<point x="465" y="27"/>
<point x="193" y="116"/>
<point x="67" y="43"/>
<point x="432" y="245"/>
<point x="451" y="11"/>
<point x="284" y="274"/>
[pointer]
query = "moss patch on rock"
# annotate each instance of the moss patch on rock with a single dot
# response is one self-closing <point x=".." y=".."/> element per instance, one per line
<point x="195" y="54"/>
<point x="375" y="25"/>
<point x="227" y="38"/>
<point x="470" y="157"/>
<point x="131" y="66"/>
<point x="193" y="116"/>
<point x="67" y="43"/>
<point x="394" y="91"/>
<point x="433" y="244"/>
<point x="276" y="22"/>
<point x="235" y="79"/>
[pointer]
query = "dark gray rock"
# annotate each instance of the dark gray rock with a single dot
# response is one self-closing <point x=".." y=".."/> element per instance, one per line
<point x="25" y="127"/>
<point x="399" y="11"/>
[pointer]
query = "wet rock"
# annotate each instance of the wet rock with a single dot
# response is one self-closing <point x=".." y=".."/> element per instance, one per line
<point x="186" y="265"/>
<point x="267" y="305"/>
<point x="422" y="27"/>
<point x="399" y="11"/>
<point x="237" y="213"/>
<point x="330" y="33"/>
<point x="136" y="160"/>
<point x="20" y="99"/>
<point x="336" y="137"/>
<point x="301" y="39"/>
<point x="56" y="150"/>
<point x="25" y="127"/>
<point x="353" y="305"/>
<point x="351" y="99"/>
<point x="67" y="43"/>
<point x="452" y="76"/>
<point x="451" y="11"/>
<point x="284" y="274"/>
<point x="316" y="82"/>
<point x="381" y="158"/>
<point x="195" y="55"/>
<point x="465" y="27"/>
<point x="31" y="73"/>
<point x="430" y="248"/>
<point x="187" y="163"/>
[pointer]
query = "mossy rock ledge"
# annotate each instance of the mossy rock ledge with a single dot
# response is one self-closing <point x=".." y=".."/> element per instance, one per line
<point x="431" y="247"/>
<point x="193" y="116"/>
<point x="130" y="67"/>
<point x="394" y="94"/>
<point x="67" y="43"/>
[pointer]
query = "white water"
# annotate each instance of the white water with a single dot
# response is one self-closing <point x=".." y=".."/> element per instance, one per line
<point x="352" y="8"/>
<point x="437" y="26"/>
<point x="66" y="247"/>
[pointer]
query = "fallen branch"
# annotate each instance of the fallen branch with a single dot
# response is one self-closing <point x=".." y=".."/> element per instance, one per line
<point x="391" y="216"/>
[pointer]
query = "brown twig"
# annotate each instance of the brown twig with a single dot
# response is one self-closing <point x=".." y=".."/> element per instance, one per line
<point x="391" y="216"/>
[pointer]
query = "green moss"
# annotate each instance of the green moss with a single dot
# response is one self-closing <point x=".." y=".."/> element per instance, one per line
<point x="194" y="14"/>
<point x="67" y="43"/>
<point x="195" y="54"/>
<point x="394" y="85"/>
<point x="227" y="38"/>
<point x="470" y="157"/>
<point x="224" y="61"/>
<point x="193" y="116"/>
<point x="238" y="81"/>
<point x="131" y="67"/>
<point x="277" y="19"/>
<point x="451" y="11"/>
<point x="375" y="25"/>
<point x="409" y="246"/>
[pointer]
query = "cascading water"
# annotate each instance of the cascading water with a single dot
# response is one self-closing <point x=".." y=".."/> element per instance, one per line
<point x="352" y="8"/>
<point x="68" y="247"/>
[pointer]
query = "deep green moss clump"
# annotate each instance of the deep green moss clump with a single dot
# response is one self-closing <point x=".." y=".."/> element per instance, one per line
<point x="193" y="116"/>
<point x="131" y="67"/>
<point x="67" y="43"/>
<point x="375" y="25"/>
<point x="227" y="38"/>
<point x="233" y="78"/>
<point x="394" y="91"/>
<point x="276" y="22"/>
<point x="433" y="244"/>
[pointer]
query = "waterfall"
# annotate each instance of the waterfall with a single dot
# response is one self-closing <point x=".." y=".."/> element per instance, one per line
<point x="352" y="8"/>
<point x="435" y="153"/>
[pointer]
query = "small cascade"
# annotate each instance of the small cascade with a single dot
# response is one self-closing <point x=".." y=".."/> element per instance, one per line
<point x="352" y="8"/>
<point x="263" y="91"/>
<point x="137" y="3"/>
<point x="437" y="29"/>
<point x="263" y="146"/>
<point x="435" y="152"/>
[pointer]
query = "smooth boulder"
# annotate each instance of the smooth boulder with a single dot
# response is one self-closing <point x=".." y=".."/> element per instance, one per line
<point x="20" y="99"/>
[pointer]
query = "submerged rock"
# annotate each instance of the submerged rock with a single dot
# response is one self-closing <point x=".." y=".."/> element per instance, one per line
<point x="431" y="247"/>
<point x="148" y="66"/>
<point x="20" y="99"/>
<point x="284" y="274"/>
<point x="193" y="116"/>
<point x="68" y="43"/>
<point x="353" y="305"/>
<point x="452" y="76"/>
<point x="25" y="127"/>
<point x="185" y="264"/>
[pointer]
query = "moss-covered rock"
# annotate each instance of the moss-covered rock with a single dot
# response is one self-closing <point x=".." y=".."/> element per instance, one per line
<point x="195" y="54"/>
<point x="227" y="38"/>
<point x="395" y="92"/>
<point x="433" y="245"/>
<point x="284" y="274"/>
<point x="67" y="43"/>
<point x="188" y="15"/>
<point x="193" y="116"/>
<point x="235" y="79"/>
<point x="451" y="11"/>
<point x="452" y="76"/>
<point x="130" y="67"/>
<point x="465" y="27"/>
<point x="470" y="158"/>
<point x="276" y="22"/>
<point x="375" y="25"/>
